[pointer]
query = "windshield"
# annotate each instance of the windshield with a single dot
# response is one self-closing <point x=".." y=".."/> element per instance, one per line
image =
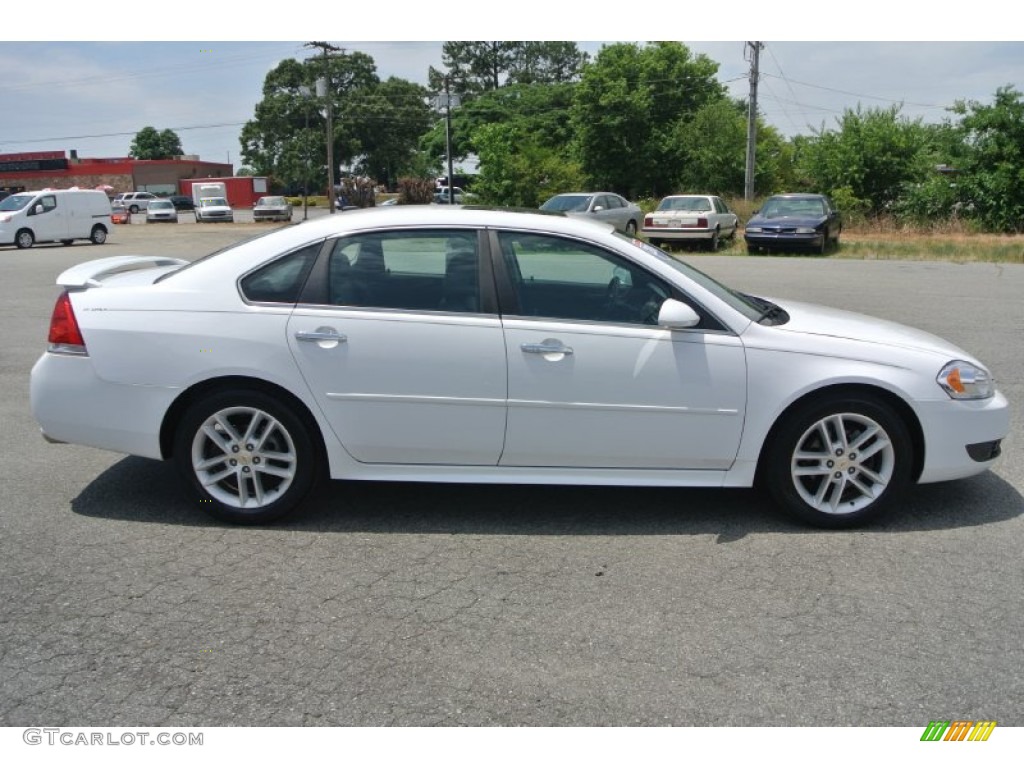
<point x="15" y="202"/>
<point x="213" y="201"/>
<point x="781" y="206"/>
<point x="567" y="203"/>
<point x="748" y="306"/>
<point x="161" y="204"/>
<point x="270" y="201"/>
<point x="694" y="204"/>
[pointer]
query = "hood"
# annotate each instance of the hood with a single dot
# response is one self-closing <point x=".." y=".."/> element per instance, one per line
<point x="825" y="322"/>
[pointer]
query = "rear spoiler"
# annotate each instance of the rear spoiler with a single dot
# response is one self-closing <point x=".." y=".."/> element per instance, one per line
<point x="91" y="274"/>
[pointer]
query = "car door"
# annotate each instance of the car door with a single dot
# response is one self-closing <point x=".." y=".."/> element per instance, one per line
<point x="399" y="338"/>
<point x="726" y="218"/>
<point x="49" y="218"/>
<point x="593" y="381"/>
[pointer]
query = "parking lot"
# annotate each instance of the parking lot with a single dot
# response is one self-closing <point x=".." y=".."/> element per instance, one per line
<point x="391" y="604"/>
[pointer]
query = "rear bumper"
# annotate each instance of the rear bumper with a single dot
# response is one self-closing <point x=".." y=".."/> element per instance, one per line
<point x="668" y="233"/>
<point x="72" y="405"/>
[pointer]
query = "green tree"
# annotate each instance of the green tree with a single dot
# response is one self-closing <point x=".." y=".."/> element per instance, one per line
<point x="539" y="109"/>
<point x="992" y="166"/>
<point x="151" y="144"/>
<point x="872" y="157"/>
<point x="627" y="111"/>
<point x="517" y="170"/>
<point x="376" y="125"/>
<point x="478" y="66"/>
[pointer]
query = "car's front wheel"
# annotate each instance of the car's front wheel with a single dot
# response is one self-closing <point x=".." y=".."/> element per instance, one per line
<point x="98" y="235"/>
<point x="249" y="458"/>
<point x="24" y="238"/>
<point x="840" y="462"/>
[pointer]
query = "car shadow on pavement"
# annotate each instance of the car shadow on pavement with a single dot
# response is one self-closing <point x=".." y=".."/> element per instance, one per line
<point x="146" y="491"/>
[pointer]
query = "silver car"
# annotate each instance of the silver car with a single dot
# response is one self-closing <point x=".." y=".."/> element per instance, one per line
<point x="272" y="209"/>
<point x="601" y="206"/>
<point x="161" y="210"/>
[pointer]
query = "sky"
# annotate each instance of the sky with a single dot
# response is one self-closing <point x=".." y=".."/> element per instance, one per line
<point x="89" y="82"/>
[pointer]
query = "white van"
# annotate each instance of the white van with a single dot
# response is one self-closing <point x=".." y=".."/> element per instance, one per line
<point x="54" y="215"/>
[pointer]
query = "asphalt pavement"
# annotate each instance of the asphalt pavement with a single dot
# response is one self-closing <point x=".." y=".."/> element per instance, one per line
<point x="398" y="604"/>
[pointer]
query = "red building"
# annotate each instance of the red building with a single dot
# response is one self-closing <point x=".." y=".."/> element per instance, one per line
<point x="38" y="170"/>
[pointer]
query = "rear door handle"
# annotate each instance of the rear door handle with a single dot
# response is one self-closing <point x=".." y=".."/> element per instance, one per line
<point x="321" y="334"/>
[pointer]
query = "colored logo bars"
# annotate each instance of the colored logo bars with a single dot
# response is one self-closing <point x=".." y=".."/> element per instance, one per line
<point x="958" y="730"/>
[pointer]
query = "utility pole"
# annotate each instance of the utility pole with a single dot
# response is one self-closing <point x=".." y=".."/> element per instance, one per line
<point x="325" y="92"/>
<point x="754" y="49"/>
<point x="448" y="137"/>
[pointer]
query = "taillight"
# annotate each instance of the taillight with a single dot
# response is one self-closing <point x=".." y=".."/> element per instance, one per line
<point x="65" y="335"/>
<point x="702" y="223"/>
<point x="648" y="221"/>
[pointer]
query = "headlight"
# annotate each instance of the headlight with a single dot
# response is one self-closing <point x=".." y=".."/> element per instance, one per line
<point x="805" y="230"/>
<point x="965" y="381"/>
<point x="752" y="229"/>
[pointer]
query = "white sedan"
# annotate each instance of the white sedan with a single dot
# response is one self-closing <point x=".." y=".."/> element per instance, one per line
<point x="422" y="343"/>
<point x="702" y="219"/>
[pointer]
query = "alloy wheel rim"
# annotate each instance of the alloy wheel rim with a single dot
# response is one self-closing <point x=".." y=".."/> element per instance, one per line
<point x="842" y="463"/>
<point x="244" y="457"/>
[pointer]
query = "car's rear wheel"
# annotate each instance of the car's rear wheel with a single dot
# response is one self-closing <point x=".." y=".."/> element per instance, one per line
<point x="631" y="228"/>
<point x="715" y="241"/>
<point x="133" y="209"/>
<point x="840" y="462"/>
<point x="98" y="235"/>
<point x="24" y="238"/>
<point x="249" y="457"/>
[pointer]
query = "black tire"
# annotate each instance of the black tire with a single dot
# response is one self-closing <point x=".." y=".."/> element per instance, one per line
<point x="24" y="238"/>
<point x="98" y="236"/>
<point x="280" y="432"/>
<point x="631" y="228"/>
<point x="655" y="243"/>
<point x="823" y="248"/>
<point x="753" y="249"/>
<point x="715" y="241"/>
<point x="133" y="209"/>
<point x="865" y="487"/>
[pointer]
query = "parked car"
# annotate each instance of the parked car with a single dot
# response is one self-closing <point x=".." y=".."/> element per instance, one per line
<point x="794" y="221"/>
<point x="161" y="210"/>
<point x="601" y="206"/>
<point x="458" y="345"/>
<point x="702" y="219"/>
<point x="213" y="209"/>
<point x="443" y="196"/>
<point x="135" y="201"/>
<point x="182" y="203"/>
<point x="119" y="214"/>
<point x="54" y="215"/>
<point x="272" y="209"/>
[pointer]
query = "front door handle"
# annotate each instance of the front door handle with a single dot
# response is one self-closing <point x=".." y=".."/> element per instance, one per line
<point x="547" y="347"/>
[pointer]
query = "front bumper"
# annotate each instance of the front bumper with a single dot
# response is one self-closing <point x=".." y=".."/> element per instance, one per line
<point x="772" y="240"/>
<point x="959" y="436"/>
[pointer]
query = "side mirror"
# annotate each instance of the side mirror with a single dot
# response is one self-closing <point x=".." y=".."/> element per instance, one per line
<point x="677" y="315"/>
<point x="38" y="209"/>
<point x="598" y="208"/>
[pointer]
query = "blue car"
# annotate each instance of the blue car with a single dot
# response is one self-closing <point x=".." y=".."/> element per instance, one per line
<point x="794" y="222"/>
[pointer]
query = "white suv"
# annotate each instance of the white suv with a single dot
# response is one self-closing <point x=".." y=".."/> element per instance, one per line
<point x="135" y="201"/>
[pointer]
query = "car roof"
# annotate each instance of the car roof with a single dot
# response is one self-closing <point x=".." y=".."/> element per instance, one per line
<point x="800" y="196"/>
